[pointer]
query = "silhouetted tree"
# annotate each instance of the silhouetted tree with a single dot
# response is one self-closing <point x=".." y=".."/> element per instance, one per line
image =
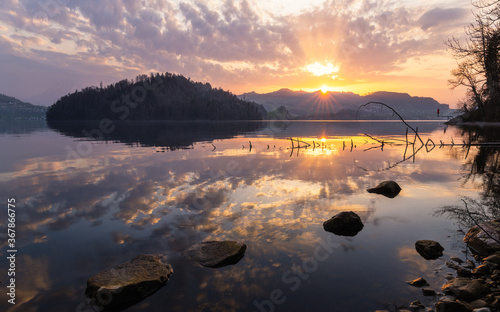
<point x="478" y="57"/>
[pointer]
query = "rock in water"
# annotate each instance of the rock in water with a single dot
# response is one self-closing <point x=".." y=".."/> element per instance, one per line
<point x="128" y="283"/>
<point x="428" y="292"/>
<point x="345" y="223"/>
<point x="451" y="306"/>
<point x="419" y="282"/>
<point x="387" y="188"/>
<point x="216" y="254"/>
<point x="429" y="249"/>
<point x="466" y="288"/>
<point x="484" y="239"/>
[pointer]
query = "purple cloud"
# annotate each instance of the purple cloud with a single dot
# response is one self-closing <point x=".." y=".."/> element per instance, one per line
<point x="233" y="42"/>
<point x="440" y="16"/>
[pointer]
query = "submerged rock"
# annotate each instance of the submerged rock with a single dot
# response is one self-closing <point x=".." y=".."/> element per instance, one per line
<point x="452" y="265"/>
<point x="416" y="305"/>
<point x="387" y="188"/>
<point x="345" y="223"/>
<point x="428" y="292"/>
<point x="216" y="254"/>
<point x="485" y="238"/>
<point x="457" y="260"/>
<point x="429" y="249"/>
<point x="128" y="283"/>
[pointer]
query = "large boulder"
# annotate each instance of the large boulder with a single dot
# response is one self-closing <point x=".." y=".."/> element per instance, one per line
<point x="216" y="254"/>
<point x="128" y="283"/>
<point x="345" y="223"/>
<point x="429" y="249"/>
<point x="485" y="238"/>
<point x="467" y="289"/>
<point x="452" y="306"/>
<point x="387" y="188"/>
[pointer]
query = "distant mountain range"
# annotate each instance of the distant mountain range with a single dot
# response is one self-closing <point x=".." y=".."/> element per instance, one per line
<point x="343" y="105"/>
<point x="281" y="104"/>
<point x="15" y="109"/>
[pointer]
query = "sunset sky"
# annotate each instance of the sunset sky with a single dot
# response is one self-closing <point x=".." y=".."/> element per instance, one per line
<point x="49" y="48"/>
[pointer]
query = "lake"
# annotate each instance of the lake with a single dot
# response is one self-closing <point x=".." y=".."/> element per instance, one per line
<point x="89" y="197"/>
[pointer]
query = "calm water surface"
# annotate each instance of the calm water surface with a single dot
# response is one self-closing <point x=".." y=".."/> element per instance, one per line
<point x="84" y="206"/>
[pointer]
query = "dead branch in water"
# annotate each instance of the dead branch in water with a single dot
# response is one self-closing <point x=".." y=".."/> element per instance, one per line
<point x="395" y="112"/>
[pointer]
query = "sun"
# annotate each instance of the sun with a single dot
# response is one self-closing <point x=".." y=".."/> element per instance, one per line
<point x="324" y="89"/>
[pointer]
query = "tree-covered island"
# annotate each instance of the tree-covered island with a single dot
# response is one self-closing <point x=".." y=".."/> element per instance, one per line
<point x="154" y="97"/>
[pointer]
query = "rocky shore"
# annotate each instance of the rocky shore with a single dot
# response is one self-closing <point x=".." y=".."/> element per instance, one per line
<point x="475" y="285"/>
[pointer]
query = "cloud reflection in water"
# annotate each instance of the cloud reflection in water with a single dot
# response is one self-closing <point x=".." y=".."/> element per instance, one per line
<point x="122" y="200"/>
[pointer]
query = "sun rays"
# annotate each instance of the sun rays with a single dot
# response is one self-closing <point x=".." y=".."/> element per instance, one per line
<point x="323" y="103"/>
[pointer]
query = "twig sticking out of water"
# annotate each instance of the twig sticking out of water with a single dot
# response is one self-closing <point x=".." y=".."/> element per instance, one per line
<point x="394" y="164"/>
<point x="427" y="145"/>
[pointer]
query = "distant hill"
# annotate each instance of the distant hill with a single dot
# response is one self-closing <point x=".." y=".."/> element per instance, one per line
<point x="154" y="97"/>
<point x="343" y="105"/>
<point x="15" y="109"/>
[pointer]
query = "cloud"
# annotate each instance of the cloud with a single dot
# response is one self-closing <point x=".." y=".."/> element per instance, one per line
<point x="231" y="44"/>
<point x="439" y="16"/>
